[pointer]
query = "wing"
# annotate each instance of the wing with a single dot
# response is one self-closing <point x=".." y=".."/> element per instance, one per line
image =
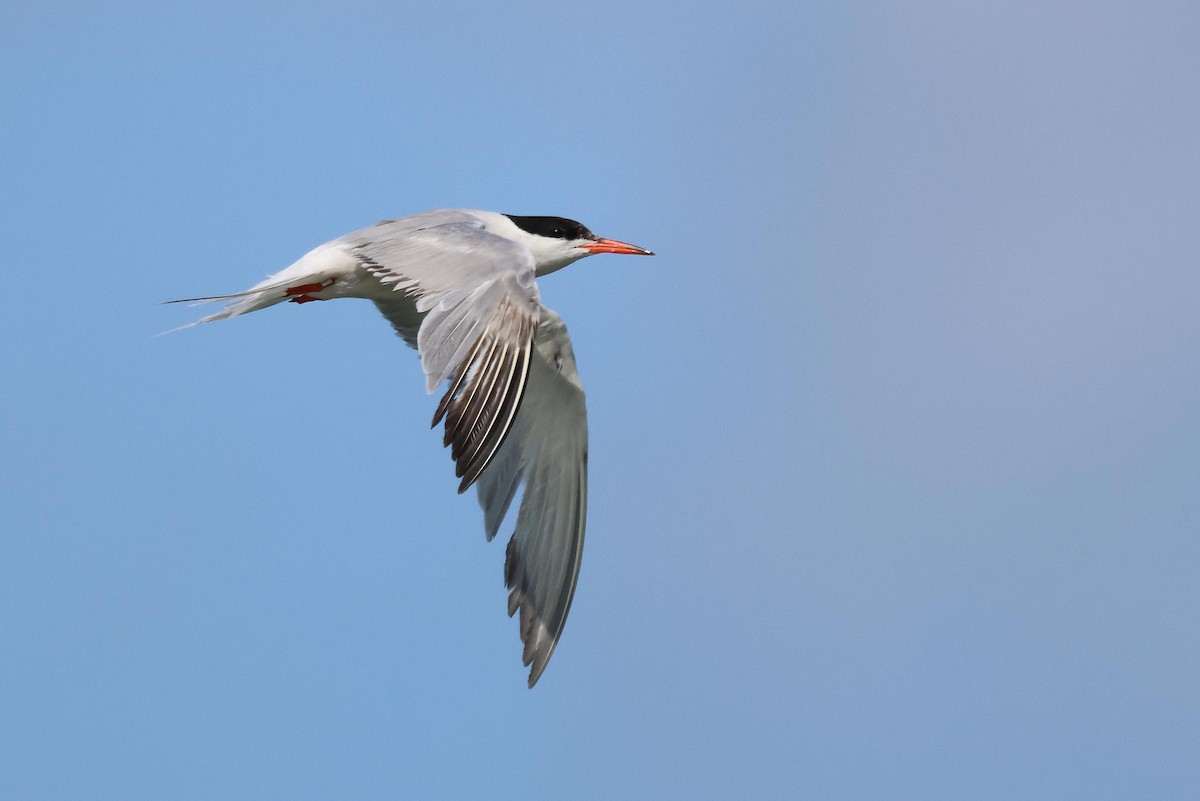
<point x="479" y="299"/>
<point x="547" y="451"/>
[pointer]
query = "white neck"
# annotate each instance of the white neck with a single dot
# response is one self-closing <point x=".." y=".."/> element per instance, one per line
<point x="549" y="254"/>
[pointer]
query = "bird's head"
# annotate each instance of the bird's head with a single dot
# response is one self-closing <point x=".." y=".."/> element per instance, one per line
<point x="555" y="242"/>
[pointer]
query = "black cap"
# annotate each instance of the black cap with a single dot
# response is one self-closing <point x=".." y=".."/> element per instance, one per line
<point x="553" y="227"/>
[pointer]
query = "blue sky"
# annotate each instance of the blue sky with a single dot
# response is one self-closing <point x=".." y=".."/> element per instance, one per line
<point x="895" y="446"/>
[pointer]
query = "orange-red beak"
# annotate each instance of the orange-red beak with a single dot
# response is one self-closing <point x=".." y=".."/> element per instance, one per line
<point x="613" y="246"/>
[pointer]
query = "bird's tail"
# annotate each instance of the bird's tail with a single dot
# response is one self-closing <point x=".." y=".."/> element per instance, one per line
<point x="302" y="281"/>
<point x="260" y="296"/>
<point x="291" y="284"/>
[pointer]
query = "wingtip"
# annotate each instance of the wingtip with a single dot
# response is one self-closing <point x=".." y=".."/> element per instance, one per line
<point x="539" y="667"/>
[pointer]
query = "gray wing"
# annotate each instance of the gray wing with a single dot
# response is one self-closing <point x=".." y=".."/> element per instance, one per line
<point x="402" y="314"/>
<point x="547" y="451"/>
<point x="479" y="299"/>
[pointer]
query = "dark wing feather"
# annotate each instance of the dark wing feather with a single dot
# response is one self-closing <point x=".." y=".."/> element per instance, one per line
<point x="471" y="300"/>
<point x="546" y="451"/>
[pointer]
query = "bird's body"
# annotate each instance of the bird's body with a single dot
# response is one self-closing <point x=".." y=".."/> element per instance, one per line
<point x="459" y="286"/>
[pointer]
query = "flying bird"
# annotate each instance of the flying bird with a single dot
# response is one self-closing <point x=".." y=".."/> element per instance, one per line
<point x="460" y="287"/>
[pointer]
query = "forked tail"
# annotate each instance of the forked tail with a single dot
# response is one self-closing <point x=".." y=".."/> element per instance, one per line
<point x="260" y="296"/>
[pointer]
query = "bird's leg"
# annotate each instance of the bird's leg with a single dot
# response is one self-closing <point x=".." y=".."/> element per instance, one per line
<point x="300" y="294"/>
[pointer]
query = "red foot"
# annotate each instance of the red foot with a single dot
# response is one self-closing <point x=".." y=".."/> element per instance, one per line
<point x="303" y="298"/>
<point x="304" y="289"/>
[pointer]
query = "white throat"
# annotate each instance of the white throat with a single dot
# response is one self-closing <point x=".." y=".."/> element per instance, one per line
<point x="549" y="254"/>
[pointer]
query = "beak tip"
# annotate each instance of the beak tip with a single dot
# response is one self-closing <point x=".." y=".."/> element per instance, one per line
<point x="614" y="246"/>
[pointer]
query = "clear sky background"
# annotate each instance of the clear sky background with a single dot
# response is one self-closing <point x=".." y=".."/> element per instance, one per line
<point x="895" y="446"/>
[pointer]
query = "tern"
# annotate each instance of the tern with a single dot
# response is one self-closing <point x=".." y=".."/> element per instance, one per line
<point x="460" y="287"/>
